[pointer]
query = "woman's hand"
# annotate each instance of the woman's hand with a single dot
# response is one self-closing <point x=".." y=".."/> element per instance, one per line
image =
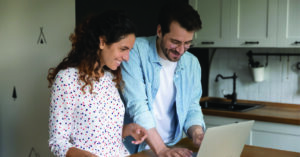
<point x="75" y="152"/>
<point x="136" y="131"/>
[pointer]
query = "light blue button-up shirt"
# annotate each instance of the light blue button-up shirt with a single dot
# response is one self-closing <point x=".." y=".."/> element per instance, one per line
<point x="141" y="77"/>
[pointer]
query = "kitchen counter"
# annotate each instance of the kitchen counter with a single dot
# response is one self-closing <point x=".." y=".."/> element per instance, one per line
<point x="248" y="151"/>
<point x="270" y="112"/>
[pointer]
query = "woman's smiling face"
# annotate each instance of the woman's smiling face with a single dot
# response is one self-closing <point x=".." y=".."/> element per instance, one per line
<point x="112" y="55"/>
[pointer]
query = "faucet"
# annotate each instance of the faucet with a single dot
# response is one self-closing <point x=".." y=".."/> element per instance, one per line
<point x="232" y="96"/>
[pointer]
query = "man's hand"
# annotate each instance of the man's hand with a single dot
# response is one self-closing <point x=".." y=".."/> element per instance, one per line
<point x="161" y="150"/>
<point x="136" y="131"/>
<point x="175" y="152"/>
<point x="197" y="134"/>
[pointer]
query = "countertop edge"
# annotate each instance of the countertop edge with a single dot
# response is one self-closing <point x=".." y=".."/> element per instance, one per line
<point x="251" y="115"/>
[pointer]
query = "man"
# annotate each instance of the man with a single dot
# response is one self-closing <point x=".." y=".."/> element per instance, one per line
<point x="163" y="83"/>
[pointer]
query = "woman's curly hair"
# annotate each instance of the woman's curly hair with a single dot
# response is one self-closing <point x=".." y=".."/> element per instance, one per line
<point x="84" y="55"/>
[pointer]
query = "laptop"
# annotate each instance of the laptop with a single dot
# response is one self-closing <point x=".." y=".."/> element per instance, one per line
<point x="225" y="141"/>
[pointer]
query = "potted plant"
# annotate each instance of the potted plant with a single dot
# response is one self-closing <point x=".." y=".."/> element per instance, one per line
<point x="256" y="69"/>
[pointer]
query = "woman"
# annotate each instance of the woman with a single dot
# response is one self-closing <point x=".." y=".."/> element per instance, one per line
<point x="86" y="112"/>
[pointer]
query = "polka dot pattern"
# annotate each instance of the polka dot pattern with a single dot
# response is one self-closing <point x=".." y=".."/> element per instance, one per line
<point x="91" y="122"/>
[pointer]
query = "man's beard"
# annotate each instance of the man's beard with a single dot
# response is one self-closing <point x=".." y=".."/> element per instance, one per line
<point x="167" y="51"/>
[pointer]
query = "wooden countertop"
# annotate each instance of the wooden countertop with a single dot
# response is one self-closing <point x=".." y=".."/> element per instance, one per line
<point x="270" y="112"/>
<point x="248" y="151"/>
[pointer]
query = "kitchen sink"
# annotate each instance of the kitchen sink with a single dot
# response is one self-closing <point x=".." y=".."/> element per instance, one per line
<point x="228" y="106"/>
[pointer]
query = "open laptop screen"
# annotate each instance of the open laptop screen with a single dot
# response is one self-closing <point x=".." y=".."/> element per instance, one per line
<point x="225" y="141"/>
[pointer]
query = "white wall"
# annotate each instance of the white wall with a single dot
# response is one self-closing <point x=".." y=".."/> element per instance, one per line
<point x="282" y="80"/>
<point x="24" y="64"/>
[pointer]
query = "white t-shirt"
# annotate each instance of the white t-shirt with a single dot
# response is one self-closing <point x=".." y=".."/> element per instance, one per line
<point x="163" y="105"/>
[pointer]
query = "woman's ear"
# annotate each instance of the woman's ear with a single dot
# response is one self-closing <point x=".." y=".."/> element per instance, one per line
<point x="102" y="43"/>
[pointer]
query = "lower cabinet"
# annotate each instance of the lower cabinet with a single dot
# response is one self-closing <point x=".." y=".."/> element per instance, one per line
<point x="265" y="134"/>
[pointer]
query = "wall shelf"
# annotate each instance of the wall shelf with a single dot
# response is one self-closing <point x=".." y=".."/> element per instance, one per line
<point x="250" y="55"/>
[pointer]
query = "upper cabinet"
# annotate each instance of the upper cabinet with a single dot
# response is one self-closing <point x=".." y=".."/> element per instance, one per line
<point x="253" y="23"/>
<point x="289" y="23"/>
<point x="214" y="18"/>
<point x="248" y="23"/>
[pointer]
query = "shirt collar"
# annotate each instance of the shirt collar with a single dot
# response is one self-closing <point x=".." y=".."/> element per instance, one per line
<point x="153" y="56"/>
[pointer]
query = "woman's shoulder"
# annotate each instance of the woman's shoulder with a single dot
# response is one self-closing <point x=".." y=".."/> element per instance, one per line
<point x="69" y="73"/>
<point x="66" y="78"/>
<point x="108" y="75"/>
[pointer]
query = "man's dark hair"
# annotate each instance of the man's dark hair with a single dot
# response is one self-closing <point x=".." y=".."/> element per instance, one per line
<point x="181" y="12"/>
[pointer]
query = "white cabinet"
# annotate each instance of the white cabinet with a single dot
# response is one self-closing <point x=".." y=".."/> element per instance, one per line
<point x="289" y="23"/>
<point x="276" y="135"/>
<point x="253" y="23"/>
<point x="248" y="23"/>
<point x="214" y="32"/>
<point x="265" y="134"/>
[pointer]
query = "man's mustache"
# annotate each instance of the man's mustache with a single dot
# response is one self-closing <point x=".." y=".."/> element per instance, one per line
<point x="175" y="52"/>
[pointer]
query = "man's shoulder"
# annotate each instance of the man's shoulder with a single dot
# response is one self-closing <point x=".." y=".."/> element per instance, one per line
<point x="144" y="46"/>
<point x="189" y="58"/>
<point x="144" y="41"/>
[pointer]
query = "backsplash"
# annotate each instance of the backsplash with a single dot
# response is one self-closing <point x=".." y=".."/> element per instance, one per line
<point x="281" y="81"/>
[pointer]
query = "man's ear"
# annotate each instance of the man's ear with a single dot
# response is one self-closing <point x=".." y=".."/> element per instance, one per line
<point x="158" y="31"/>
<point x="102" y="42"/>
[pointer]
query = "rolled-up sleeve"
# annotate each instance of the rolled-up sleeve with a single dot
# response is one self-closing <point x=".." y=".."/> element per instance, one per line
<point x="194" y="114"/>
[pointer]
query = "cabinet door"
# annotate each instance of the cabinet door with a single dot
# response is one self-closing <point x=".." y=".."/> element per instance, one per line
<point x="289" y="23"/>
<point x="215" y="16"/>
<point x="254" y="23"/>
<point x="264" y="134"/>
<point x="276" y="135"/>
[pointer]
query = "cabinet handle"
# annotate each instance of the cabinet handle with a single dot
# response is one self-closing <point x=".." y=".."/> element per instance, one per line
<point x="297" y="42"/>
<point x="251" y="42"/>
<point x="207" y="42"/>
